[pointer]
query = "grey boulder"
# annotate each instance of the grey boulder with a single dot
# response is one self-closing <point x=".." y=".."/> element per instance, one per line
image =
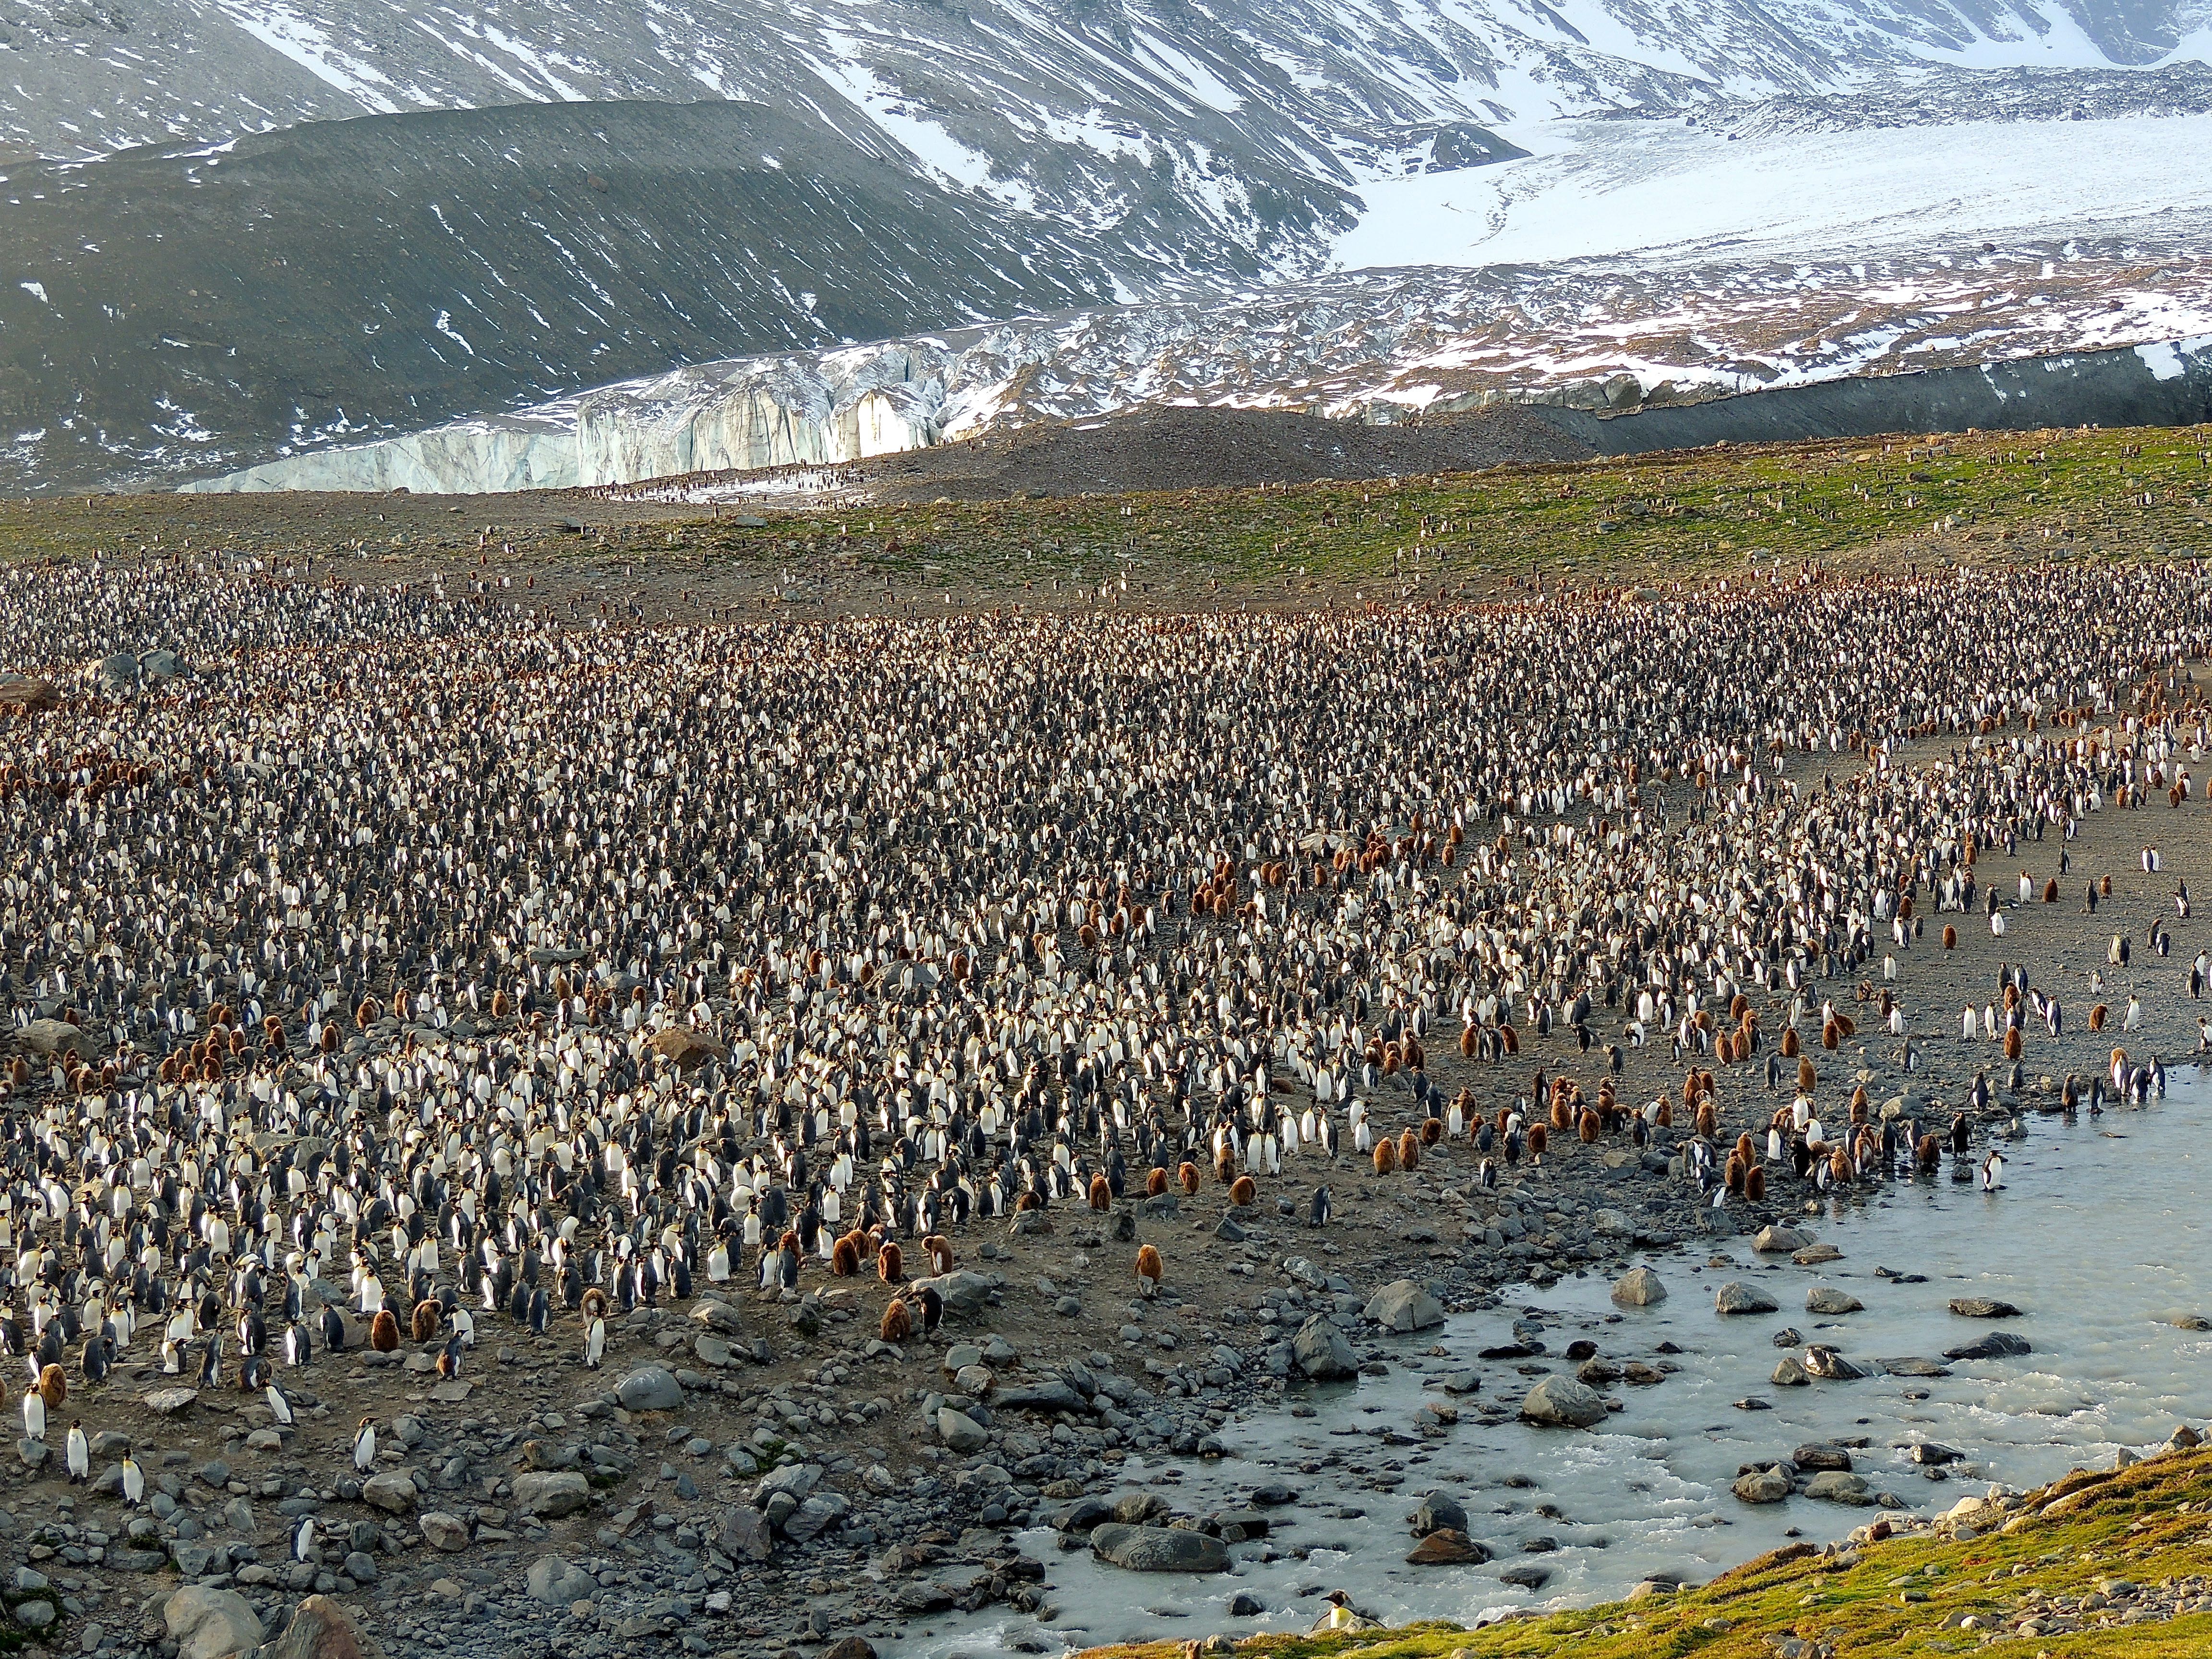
<point x="1158" y="1549"/>
<point x="1737" y="1297"/>
<point x="556" y="1582"/>
<point x="50" y="1038"/>
<point x="445" y="1532"/>
<point x="1402" y="1306"/>
<point x="650" y="1388"/>
<point x="1778" y="1240"/>
<point x="210" y="1623"/>
<point x="1983" y="1307"/>
<point x="1639" y="1287"/>
<point x="1052" y="1397"/>
<point x="1561" y="1402"/>
<point x="391" y="1493"/>
<point x="960" y="1431"/>
<point x="745" y="1534"/>
<point x="964" y="1292"/>
<point x="552" y="1493"/>
<point x="1838" y="1486"/>
<point x="1824" y="1362"/>
<point x="1320" y="1351"/>
<point x="322" y="1629"/>
<point x="1761" y="1487"/>
<point x="1439" y="1513"/>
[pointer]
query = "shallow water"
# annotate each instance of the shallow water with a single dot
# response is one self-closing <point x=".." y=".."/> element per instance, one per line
<point x="2099" y="1238"/>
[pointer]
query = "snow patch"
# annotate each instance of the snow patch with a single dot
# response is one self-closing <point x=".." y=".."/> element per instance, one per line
<point x="1661" y="190"/>
<point x="312" y="47"/>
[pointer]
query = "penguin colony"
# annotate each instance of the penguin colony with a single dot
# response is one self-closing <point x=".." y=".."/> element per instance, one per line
<point x="423" y="965"/>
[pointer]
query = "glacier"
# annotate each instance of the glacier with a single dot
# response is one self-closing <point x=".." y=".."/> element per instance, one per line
<point x="1573" y="297"/>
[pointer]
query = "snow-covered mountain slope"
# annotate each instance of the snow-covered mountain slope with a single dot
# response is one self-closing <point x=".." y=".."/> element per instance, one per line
<point x="1371" y="346"/>
<point x="1655" y="190"/>
<point x="1039" y="100"/>
<point x="163" y="310"/>
<point x="195" y="308"/>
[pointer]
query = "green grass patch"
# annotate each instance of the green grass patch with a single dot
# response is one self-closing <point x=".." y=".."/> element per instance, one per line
<point x="1688" y="515"/>
<point x="1696" y="513"/>
<point x="2150" y="1524"/>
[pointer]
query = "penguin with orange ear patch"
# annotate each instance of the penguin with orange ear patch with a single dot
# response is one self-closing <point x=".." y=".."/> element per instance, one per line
<point x="1102" y="1194"/>
<point x="890" y="1263"/>
<point x="898" y="1323"/>
<point x="1149" y="1270"/>
<point x="384" y="1331"/>
<point x="1243" y="1191"/>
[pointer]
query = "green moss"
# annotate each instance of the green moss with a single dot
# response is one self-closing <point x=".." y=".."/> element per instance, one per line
<point x="1695" y="513"/>
<point x="1692" y="514"/>
<point x="2148" y="1524"/>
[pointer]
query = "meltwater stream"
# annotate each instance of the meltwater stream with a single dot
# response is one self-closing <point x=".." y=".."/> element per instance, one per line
<point x="2098" y="1237"/>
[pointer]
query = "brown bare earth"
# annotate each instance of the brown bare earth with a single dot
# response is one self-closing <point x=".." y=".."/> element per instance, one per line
<point x="1174" y="448"/>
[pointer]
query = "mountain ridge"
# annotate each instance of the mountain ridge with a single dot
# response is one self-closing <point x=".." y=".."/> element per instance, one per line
<point x="870" y="172"/>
